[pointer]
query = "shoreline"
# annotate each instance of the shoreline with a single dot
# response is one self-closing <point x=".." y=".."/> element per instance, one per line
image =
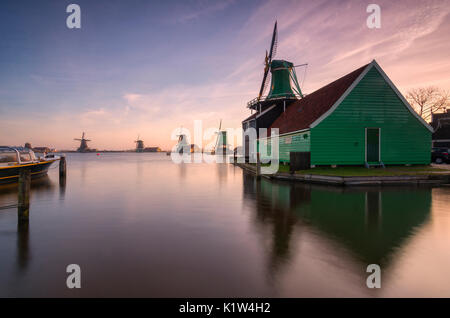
<point x="431" y="179"/>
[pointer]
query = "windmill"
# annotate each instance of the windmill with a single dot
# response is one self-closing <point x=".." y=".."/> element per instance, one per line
<point x="83" y="144"/>
<point x="221" y="141"/>
<point x="182" y="143"/>
<point x="284" y="90"/>
<point x="139" y="145"/>
<point x="284" y="82"/>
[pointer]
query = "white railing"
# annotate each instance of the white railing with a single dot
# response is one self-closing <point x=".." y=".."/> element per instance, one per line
<point x="257" y="100"/>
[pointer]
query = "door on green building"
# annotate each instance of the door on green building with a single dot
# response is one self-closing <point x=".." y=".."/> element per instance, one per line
<point x="372" y="144"/>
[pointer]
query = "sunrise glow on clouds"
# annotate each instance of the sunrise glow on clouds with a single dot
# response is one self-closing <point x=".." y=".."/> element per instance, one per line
<point x="150" y="73"/>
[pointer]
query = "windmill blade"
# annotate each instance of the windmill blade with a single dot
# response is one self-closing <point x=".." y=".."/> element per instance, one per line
<point x="274" y="43"/>
<point x="266" y="84"/>
<point x="217" y="140"/>
<point x="218" y="134"/>
<point x="275" y="47"/>
<point x="266" y="71"/>
<point x="268" y="60"/>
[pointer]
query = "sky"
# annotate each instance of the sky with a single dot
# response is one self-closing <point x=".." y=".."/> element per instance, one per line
<point x="149" y="67"/>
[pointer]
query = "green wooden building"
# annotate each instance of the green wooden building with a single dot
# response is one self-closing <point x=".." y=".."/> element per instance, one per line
<point x="358" y="119"/>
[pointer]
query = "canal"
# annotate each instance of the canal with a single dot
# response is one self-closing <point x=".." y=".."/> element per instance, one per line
<point x="140" y="225"/>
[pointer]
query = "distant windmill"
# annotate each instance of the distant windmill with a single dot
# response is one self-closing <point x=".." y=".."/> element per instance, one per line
<point x="182" y="142"/>
<point x="139" y="145"/>
<point x="83" y="144"/>
<point x="221" y="141"/>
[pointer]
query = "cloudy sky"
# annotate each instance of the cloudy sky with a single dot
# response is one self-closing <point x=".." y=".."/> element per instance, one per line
<point x="147" y="67"/>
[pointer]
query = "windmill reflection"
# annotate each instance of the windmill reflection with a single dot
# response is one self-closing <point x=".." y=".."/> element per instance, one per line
<point x="273" y="206"/>
<point x="373" y="224"/>
<point x="222" y="173"/>
<point x="182" y="170"/>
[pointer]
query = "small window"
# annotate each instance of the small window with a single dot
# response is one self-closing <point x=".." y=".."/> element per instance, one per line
<point x="8" y="156"/>
<point x="288" y="140"/>
<point x="25" y="156"/>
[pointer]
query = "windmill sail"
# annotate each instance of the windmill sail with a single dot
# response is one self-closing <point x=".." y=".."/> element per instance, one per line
<point x="268" y="60"/>
<point x="218" y="135"/>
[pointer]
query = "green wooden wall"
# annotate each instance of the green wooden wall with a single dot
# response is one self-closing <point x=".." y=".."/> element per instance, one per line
<point x="340" y="138"/>
<point x="293" y="142"/>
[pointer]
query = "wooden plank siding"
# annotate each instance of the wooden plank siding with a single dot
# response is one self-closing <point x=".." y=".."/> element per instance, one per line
<point x="340" y="138"/>
<point x="299" y="141"/>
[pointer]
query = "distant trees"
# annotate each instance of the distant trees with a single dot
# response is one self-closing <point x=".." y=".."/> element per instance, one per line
<point x="428" y="100"/>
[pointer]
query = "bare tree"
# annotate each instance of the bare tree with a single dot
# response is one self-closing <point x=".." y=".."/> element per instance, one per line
<point x="428" y="100"/>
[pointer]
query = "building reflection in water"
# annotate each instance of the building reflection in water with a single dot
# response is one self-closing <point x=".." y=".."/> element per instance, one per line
<point x="373" y="224"/>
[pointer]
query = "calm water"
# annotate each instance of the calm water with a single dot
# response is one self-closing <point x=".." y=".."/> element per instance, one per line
<point x="139" y="225"/>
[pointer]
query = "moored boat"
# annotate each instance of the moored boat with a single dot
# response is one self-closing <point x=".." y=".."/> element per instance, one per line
<point x="14" y="159"/>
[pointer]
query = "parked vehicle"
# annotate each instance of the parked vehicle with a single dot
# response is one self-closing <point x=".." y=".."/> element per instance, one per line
<point x="440" y="155"/>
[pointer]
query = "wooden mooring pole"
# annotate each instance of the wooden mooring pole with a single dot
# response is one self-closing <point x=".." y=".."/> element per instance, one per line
<point x="258" y="165"/>
<point x="23" y="207"/>
<point x="62" y="170"/>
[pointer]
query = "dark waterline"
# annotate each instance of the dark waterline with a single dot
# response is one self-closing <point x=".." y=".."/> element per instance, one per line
<point x="140" y="225"/>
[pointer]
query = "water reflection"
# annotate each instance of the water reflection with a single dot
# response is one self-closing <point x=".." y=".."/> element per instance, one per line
<point x="62" y="187"/>
<point x="139" y="170"/>
<point x="371" y="223"/>
<point x="83" y="169"/>
<point x="182" y="170"/>
<point x="222" y="173"/>
<point x="205" y="230"/>
<point x="271" y="209"/>
<point x="23" y="253"/>
<point x="40" y="187"/>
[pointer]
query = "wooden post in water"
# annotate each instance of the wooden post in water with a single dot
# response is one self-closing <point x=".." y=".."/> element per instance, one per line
<point x="258" y="165"/>
<point x="23" y="208"/>
<point x="62" y="170"/>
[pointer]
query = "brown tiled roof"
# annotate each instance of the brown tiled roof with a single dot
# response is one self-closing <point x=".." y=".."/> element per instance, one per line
<point x="302" y="113"/>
